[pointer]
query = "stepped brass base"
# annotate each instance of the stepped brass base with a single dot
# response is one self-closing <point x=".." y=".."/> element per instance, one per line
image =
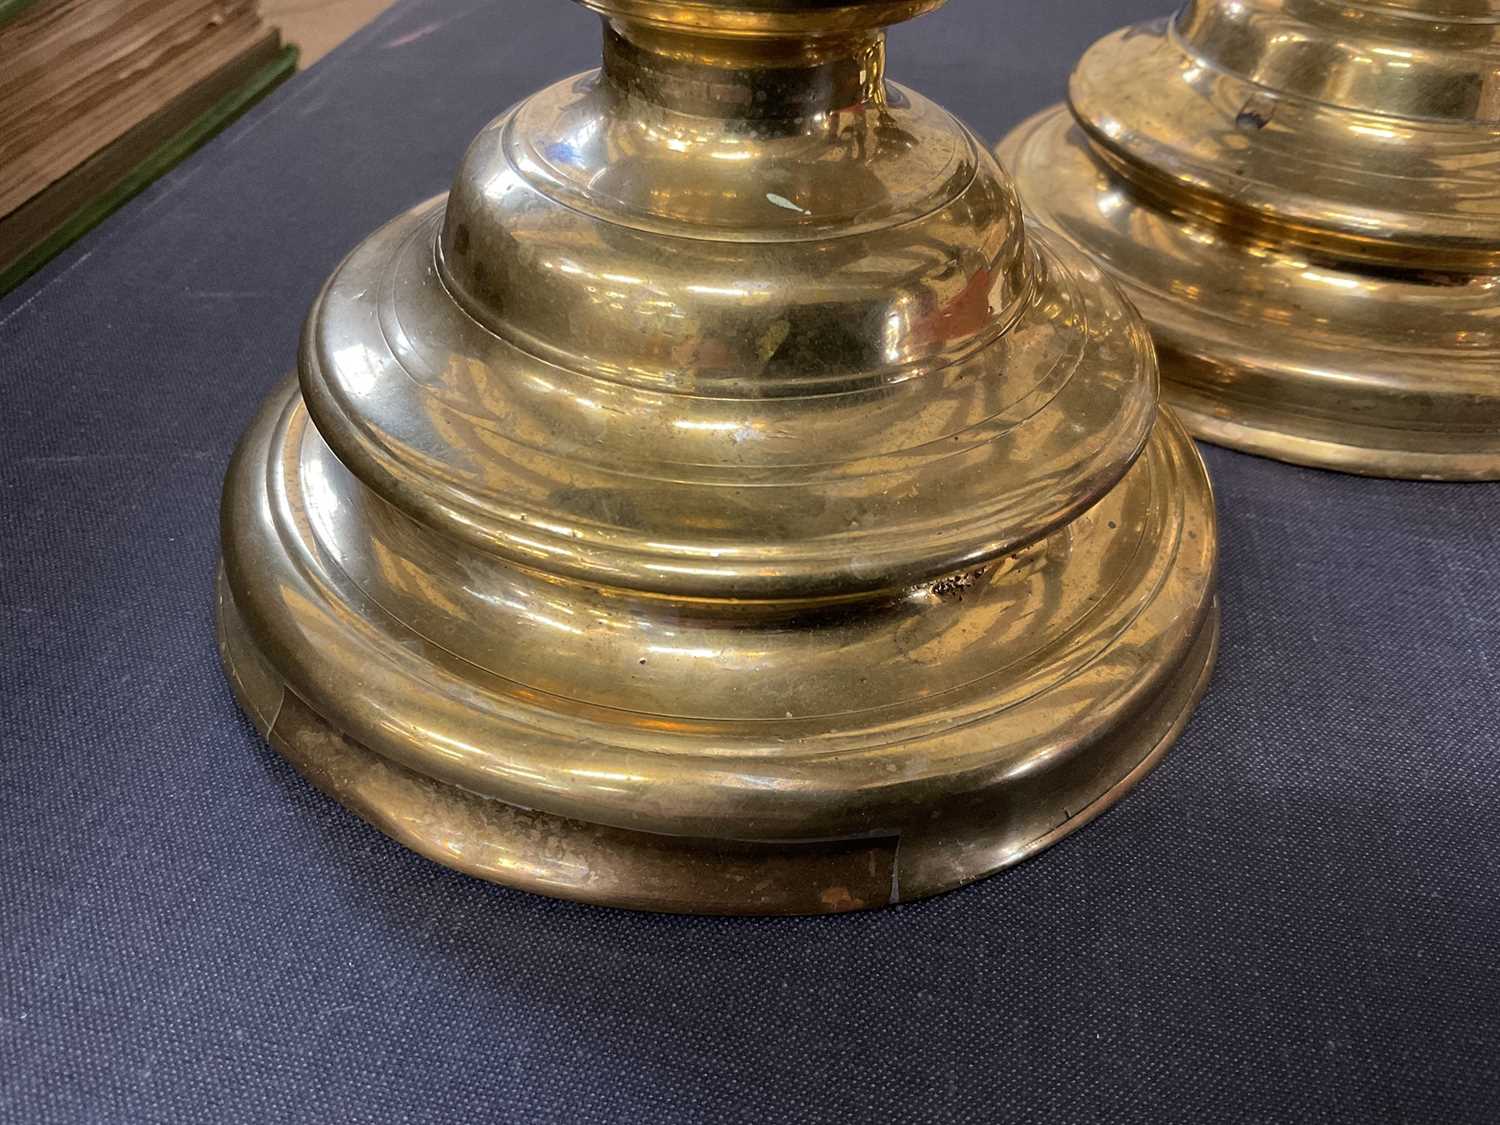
<point x="996" y="713"/>
<point x="719" y="501"/>
<point x="1274" y="351"/>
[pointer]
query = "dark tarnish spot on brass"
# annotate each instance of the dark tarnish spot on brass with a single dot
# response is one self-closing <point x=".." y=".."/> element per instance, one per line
<point x="955" y="586"/>
<point x="1256" y="113"/>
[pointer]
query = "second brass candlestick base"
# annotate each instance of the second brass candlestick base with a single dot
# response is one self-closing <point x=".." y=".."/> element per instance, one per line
<point x="1303" y="199"/>
<point x="718" y="502"/>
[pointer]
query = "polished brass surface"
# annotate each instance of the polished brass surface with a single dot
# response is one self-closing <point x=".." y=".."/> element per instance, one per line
<point x="718" y="502"/>
<point x="1303" y="199"/>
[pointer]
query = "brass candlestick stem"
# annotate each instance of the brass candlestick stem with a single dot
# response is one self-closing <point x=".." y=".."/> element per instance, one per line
<point x="717" y="502"/>
<point x="1303" y="199"/>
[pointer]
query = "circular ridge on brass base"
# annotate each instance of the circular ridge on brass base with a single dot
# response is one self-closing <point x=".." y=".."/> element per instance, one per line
<point x="954" y="840"/>
<point x="592" y="863"/>
<point x="1322" y="280"/>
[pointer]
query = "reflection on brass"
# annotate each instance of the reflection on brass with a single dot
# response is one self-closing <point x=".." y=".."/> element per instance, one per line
<point x="1303" y="199"/>
<point x="717" y="502"/>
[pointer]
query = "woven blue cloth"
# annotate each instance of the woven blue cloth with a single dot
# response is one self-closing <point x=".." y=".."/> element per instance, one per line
<point x="1293" y="919"/>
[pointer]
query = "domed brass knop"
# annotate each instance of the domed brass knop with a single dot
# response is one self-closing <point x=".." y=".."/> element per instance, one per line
<point x="1303" y="199"/>
<point x="717" y="502"/>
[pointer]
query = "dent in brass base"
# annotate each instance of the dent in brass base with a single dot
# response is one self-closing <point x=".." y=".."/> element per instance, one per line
<point x="1303" y="199"/>
<point x="717" y="503"/>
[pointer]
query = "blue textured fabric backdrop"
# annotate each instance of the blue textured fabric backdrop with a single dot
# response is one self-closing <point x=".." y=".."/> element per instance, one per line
<point x="1293" y="919"/>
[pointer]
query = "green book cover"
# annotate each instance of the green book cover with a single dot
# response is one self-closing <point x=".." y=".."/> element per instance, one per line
<point x="118" y="185"/>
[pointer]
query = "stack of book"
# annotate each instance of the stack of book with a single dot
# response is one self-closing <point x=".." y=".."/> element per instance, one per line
<point x="99" y="97"/>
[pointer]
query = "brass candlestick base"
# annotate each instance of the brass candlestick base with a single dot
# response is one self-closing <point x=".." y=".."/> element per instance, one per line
<point x="1303" y="199"/>
<point x="717" y="503"/>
